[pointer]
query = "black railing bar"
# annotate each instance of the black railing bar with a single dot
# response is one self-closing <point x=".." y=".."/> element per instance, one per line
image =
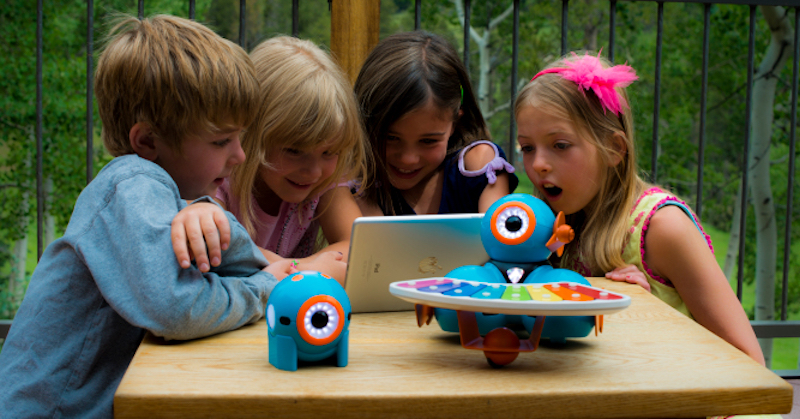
<point x="746" y="157"/>
<point x="657" y="93"/>
<point x="39" y="150"/>
<point x="789" y="3"/>
<point x="467" y="18"/>
<point x="141" y="9"/>
<point x="191" y="9"/>
<point x="612" y="26"/>
<point x="242" y="15"/>
<point x="768" y="329"/>
<point x="787" y="237"/>
<point x="5" y="325"/>
<point x="701" y="146"/>
<point x="89" y="90"/>
<point x="514" y="76"/>
<point x="296" y="18"/>
<point x="564" y="21"/>
<point x="417" y="14"/>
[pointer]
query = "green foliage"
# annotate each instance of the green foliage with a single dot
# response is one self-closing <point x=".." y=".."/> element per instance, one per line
<point x="678" y="130"/>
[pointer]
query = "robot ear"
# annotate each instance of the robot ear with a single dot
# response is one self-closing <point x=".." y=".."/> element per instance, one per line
<point x="562" y="234"/>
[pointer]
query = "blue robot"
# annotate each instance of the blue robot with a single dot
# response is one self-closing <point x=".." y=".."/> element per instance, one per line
<point x="519" y="233"/>
<point x="308" y="314"/>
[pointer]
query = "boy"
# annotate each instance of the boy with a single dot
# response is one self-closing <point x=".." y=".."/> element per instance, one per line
<point x="173" y="97"/>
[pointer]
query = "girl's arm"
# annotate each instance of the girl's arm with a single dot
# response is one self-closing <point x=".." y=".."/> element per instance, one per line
<point x="476" y="158"/>
<point x="368" y="209"/>
<point x="675" y="250"/>
<point x="339" y="212"/>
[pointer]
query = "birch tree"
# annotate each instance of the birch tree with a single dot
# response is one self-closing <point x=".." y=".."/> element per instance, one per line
<point x="762" y="116"/>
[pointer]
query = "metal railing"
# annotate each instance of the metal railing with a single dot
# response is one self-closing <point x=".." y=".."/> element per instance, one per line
<point x="764" y="329"/>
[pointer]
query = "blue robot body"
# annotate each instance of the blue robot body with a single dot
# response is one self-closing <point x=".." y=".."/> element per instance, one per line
<point x="308" y="315"/>
<point x="519" y="232"/>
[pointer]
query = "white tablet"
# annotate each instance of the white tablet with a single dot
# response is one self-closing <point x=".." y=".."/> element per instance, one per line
<point x="398" y="248"/>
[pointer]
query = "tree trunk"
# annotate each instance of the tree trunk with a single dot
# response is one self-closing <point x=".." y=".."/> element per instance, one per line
<point x="733" y="241"/>
<point x="484" y="54"/>
<point x="17" y="278"/>
<point x="762" y="116"/>
<point x="49" y="220"/>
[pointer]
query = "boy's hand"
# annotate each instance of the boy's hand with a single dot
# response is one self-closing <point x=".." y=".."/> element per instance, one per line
<point x="630" y="274"/>
<point x="200" y="225"/>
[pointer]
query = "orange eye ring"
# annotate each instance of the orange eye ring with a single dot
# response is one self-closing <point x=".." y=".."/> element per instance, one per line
<point x="325" y="300"/>
<point x="517" y="240"/>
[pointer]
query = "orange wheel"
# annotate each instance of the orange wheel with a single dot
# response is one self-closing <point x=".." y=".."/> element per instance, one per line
<point x="501" y="338"/>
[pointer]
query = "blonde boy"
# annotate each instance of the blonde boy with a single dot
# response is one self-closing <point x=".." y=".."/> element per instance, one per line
<point x="173" y="97"/>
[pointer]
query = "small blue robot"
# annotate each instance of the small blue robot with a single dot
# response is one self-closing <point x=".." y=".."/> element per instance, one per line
<point x="519" y="232"/>
<point x="308" y="314"/>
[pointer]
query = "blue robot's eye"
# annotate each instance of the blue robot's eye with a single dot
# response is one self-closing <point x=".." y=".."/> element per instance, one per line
<point x="513" y="222"/>
<point x="320" y="320"/>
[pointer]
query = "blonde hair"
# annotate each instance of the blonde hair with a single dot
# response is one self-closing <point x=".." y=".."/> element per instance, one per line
<point x="604" y="229"/>
<point x="306" y="101"/>
<point x="173" y="74"/>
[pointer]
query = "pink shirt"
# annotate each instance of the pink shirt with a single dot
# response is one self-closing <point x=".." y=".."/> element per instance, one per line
<point x="290" y="234"/>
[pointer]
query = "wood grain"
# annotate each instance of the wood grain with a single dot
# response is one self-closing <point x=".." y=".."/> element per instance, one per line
<point x="355" y="26"/>
<point x="651" y="361"/>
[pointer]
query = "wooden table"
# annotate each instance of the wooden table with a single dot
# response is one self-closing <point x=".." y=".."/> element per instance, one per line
<point x="651" y="361"/>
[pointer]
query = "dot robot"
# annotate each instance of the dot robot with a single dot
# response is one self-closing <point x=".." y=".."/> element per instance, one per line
<point x="308" y="315"/>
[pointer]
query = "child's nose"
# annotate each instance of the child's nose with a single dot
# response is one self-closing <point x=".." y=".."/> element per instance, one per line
<point x="409" y="156"/>
<point x="237" y="153"/>
<point x="540" y="163"/>
<point x="313" y="167"/>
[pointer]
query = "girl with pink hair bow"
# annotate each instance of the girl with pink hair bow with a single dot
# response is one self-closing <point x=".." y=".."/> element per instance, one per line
<point x="575" y="132"/>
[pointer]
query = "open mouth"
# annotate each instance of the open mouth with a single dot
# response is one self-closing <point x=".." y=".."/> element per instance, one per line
<point x="551" y="191"/>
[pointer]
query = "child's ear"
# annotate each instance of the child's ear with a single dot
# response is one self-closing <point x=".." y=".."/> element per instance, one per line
<point x="142" y="141"/>
<point x="619" y="147"/>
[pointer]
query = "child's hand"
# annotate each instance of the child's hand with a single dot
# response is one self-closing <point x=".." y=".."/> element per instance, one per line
<point x="630" y="274"/>
<point x="202" y="225"/>
<point x="281" y="269"/>
<point x="329" y="263"/>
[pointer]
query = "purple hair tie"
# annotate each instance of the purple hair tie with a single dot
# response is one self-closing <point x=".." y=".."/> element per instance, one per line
<point x="497" y="163"/>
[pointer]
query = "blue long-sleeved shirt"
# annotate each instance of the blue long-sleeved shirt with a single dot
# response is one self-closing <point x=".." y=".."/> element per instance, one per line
<point x="109" y="279"/>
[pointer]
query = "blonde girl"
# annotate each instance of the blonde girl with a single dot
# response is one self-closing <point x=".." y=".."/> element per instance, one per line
<point x="575" y="131"/>
<point x="305" y="144"/>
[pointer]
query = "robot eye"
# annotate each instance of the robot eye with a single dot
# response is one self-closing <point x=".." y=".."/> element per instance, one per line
<point x="513" y="222"/>
<point x="320" y="320"/>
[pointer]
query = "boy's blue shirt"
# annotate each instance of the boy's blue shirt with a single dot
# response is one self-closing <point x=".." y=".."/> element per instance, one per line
<point x="109" y="279"/>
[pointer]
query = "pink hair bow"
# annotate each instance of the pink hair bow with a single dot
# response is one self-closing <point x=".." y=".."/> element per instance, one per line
<point x="588" y="73"/>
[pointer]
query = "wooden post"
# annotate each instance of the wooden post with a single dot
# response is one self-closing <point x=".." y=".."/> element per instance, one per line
<point x="355" y="25"/>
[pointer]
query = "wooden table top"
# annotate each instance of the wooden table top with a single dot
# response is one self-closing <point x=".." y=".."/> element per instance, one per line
<point x="650" y="361"/>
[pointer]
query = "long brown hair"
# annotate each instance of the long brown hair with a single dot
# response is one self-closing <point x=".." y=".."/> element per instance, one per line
<point x="401" y="74"/>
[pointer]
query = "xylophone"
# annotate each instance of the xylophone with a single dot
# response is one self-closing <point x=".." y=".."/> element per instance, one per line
<point x="548" y="299"/>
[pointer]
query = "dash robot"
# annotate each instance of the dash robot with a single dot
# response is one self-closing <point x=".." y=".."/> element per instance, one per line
<point x="308" y="315"/>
